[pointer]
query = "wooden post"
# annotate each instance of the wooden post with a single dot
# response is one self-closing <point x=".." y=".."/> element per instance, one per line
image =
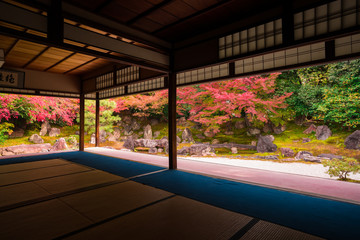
<point x="97" y="121"/>
<point x="82" y="122"/>
<point x="172" y="121"/>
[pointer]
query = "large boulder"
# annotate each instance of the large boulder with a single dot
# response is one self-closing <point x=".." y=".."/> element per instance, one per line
<point x="103" y="136"/>
<point x="17" y="133"/>
<point x="265" y="144"/>
<point x="25" y="149"/>
<point x="127" y="130"/>
<point x="184" y="151"/>
<point x="135" y="125"/>
<point x="59" y="145"/>
<point x="129" y="143"/>
<point x="156" y="134"/>
<point x="353" y="140"/>
<point x="148" y="143"/>
<point x="36" y="139"/>
<point x="302" y="155"/>
<point x="323" y="132"/>
<point x="148" y="132"/>
<point x="310" y="129"/>
<point x="287" y="152"/>
<point x="153" y="150"/>
<point x="54" y="132"/>
<point x="202" y="150"/>
<point x="45" y="128"/>
<point x="187" y="136"/>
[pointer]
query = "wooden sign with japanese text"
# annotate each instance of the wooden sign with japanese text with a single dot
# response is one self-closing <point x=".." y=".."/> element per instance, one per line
<point x="10" y="78"/>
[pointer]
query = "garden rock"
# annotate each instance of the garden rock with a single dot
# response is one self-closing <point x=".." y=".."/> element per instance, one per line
<point x="202" y="150"/>
<point x="253" y="143"/>
<point x="215" y="141"/>
<point x="306" y="140"/>
<point x="279" y="129"/>
<point x="330" y="156"/>
<point x="160" y="150"/>
<point x="184" y="151"/>
<point x="265" y="144"/>
<point x="148" y="143"/>
<point x="181" y="121"/>
<point x="129" y="143"/>
<point x="187" y="136"/>
<point x="117" y="133"/>
<point x="153" y="150"/>
<point x="45" y="128"/>
<point x="310" y="129"/>
<point x="287" y="152"/>
<point x="308" y="158"/>
<point x="127" y="119"/>
<point x="25" y="149"/>
<point x="209" y="134"/>
<point x="240" y="125"/>
<point x="103" y="136"/>
<point x="156" y="134"/>
<point x="17" y="133"/>
<point x="254" y="131"/>
<point x="111" y="138"/>
<point x="267" y="127"/>
<point x="323" y="132"/>
<point x="93" y="139"/>
<point x="234" y="150"/>
<point x="269" y="157"/>
<point x="178" y="139"/>
<point x="127" y="130"/>
<point x="54" y="132"/>
<point x="36" y="139"/>
<point x="353" y="140"/>
<point x="229" y="133"/>
<point x="148" y="132"/>
<point x="302" y="154"/>
<point x="163" y="143"/>
<point x="59" y="145"/>
<point x="135" y="125"/>
<point x="200" y="136"/>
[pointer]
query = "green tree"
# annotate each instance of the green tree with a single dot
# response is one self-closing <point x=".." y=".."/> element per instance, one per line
<point x="342" y="167"/>
<point x="107" y="118"/>
<point x="341" y="102"/>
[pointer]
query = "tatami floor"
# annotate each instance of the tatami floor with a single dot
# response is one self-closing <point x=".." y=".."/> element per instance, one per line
<point x="58" y="199"/>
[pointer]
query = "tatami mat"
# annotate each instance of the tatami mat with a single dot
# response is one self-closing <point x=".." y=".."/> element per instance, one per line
<point x="32" y="165"/>
<point x="75" y="181"/>
<point x="269" y="231"/>
<point x="34" y="174"/>
<point x="60" y="199"/>
<point x="20" y="192"/>
<point x="109" y="201"/>
<point x="174" y="218"/>
<point x="45" y="220"/>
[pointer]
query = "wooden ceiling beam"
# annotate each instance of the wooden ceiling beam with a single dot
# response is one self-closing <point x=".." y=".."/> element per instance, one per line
<point x="35" y="57"/>
<point x="205" y="10"/>
<point x="102" y="6"/>
<point x="81" y="65"/>
<point x="58" y="62"/>
<point x="149" y="11"/>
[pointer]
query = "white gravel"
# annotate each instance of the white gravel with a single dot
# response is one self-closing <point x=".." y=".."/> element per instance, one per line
<point x="315" y="170"/>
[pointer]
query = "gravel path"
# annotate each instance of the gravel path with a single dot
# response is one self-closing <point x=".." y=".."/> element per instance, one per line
<point x="315" y="170"/>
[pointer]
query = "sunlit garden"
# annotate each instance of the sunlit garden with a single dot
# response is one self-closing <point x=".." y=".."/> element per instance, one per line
<point x="308" y="116"/>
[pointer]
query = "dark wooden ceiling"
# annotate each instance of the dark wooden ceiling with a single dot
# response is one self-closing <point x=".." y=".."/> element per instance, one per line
<point x="176" y="20"/>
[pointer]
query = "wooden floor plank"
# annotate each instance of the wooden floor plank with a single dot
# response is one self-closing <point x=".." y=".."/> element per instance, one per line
<point x="34" y="174"/>
<point x="32" y="165"/>
<point x="175" y="218"/>
<point x="75" y="181"/>
<point x="20" y="192"/>
<point x="269" y="231"/>
<point x="45" y="220"/>
<point x="106" y="202"/>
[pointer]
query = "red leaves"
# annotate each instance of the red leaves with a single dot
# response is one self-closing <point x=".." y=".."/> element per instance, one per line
<point x="215" y="103"/>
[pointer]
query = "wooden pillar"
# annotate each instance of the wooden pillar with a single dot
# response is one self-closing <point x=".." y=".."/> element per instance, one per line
<point x="97" y="121"/>
<point x="82" y="122"/>
<point x="172" y="121"/>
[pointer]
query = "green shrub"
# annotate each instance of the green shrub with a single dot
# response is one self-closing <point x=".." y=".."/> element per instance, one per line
<point x="5" y="131"/>
<point x="342" y="167"/>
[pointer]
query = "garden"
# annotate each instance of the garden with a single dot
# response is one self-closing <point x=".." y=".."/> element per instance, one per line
<point x="309" y="115"/>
